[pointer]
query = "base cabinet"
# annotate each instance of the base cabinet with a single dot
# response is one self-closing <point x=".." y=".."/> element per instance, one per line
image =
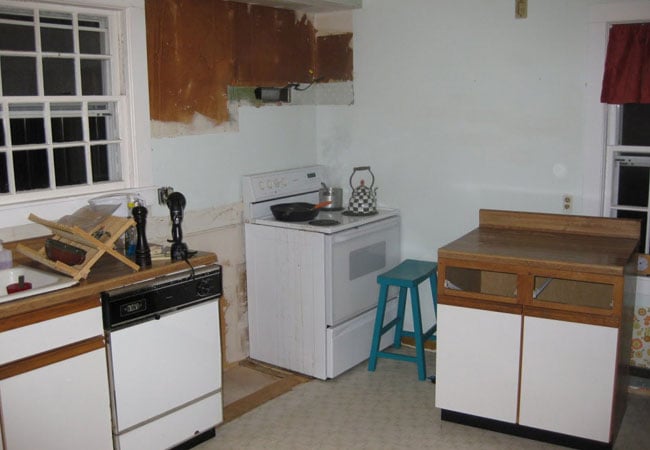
<point x="63" y="406"/>
<point x="542" y="304"/>
<point x="567" y="377"/>
<point x="477" y="362"/>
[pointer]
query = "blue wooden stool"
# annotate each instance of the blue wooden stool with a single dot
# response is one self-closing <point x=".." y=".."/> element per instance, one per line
<point x="407" y="275"/>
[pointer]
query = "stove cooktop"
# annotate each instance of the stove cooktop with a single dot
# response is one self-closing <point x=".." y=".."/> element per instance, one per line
<point x="336" y="221"/>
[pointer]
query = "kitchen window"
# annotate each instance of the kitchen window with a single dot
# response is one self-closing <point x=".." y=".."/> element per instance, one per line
<point x="627" y="187"/>
<point x="74" y="118"/>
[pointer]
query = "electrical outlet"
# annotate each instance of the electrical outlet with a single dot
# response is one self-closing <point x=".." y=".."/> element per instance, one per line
<point x="163" y="193"/>
<point x="567" y="203"/>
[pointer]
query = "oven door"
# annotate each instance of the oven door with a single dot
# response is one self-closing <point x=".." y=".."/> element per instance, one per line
<point x="355" y="258"/>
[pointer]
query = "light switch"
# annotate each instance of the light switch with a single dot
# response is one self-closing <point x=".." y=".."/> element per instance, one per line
<point x="521" y="9"/>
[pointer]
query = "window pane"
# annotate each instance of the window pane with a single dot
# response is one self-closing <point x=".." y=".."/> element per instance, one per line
<point x="69" y="166"/>
<point x="633" y="186"/>
<point x="17" y="36"/>
<point x="30" y="169"/>
<point x="644" y="223"/>
<point x="93" y="37"/>
<point x="4" y="176"/>
<point x="57" y="40"/>
<point x="101" y="121"/>
<point x="66" y="129"/>
<point x="2" y="133"/>
<point x="106" y="162"/>
<point x="92" y="42"/>
<point x="58" y="76"/>
<point x="97" y="128"/>
<point x="92" y="77"/>
<point x="636" y="124"/>
<point x="99" y="161"/>
<point x="27" y="131"/>
<point x="18" y="75"/>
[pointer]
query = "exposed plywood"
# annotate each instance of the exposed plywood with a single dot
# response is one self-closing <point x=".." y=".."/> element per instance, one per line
<point x="197" y="48"/>
<point x="190" y="58"/>
<point x="334" y="57"/>
<point x="272" y="48"/>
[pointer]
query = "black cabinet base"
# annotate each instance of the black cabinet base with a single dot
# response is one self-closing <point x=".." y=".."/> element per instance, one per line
<point x="522" y="431"/>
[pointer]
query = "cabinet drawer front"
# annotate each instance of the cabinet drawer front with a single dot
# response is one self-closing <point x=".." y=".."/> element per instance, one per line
<point x="42" y="336"/>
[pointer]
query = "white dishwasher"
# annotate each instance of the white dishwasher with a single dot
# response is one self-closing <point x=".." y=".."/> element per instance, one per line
<point x="164" y="357"/>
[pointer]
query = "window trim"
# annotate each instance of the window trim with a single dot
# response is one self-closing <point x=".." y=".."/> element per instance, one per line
<point x="137" y="173"/>
<point x="594" y="154"/>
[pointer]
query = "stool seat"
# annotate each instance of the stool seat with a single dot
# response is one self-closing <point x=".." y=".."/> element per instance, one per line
<point x="407" y="275"/>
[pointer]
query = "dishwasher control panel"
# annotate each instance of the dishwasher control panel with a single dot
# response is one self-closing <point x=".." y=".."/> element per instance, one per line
<point x="151" y="299"/>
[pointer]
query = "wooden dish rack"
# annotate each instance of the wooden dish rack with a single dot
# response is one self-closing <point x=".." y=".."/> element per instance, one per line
<point x="96" y="242"/>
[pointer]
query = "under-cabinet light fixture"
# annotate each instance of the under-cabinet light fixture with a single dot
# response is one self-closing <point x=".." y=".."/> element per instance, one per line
<point x="273" y="94"/>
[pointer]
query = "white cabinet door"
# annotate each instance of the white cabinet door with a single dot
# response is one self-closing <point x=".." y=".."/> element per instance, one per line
<point x="567" y="380"/>
<point x="477" y="362"/>
<point x="63" y="406"/>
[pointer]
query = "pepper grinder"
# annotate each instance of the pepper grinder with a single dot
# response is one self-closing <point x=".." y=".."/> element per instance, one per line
<point x="176" y="205"/>
<point x="142" y="251"/>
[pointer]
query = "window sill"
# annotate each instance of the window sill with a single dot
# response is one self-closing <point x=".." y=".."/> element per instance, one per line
<point x="14" y="216"/>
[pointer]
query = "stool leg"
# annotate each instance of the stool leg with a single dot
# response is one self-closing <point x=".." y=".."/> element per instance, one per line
<point x="417" y="333"/>
<point x="401" y="307"/>
<point x="433" y="280"/>
<point x="379" y="323"/>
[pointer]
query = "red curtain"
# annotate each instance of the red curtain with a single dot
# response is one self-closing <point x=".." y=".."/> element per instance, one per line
<point x="627" y="65"/>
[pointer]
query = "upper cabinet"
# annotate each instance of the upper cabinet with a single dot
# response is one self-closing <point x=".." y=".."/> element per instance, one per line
<point x="308" y="6"/>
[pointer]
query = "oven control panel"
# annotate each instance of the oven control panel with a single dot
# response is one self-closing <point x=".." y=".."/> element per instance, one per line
<point x="264" y="186"/>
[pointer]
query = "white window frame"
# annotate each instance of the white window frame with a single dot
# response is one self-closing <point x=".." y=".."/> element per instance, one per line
<point x="129" y="17"/>
<point x="613" y="152"/>
<point x="594" y="155"/>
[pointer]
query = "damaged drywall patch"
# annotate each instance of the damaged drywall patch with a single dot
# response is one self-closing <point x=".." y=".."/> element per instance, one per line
<point x="334" y="57"/>
<point x="200" y="124"/>
<point x="196" y="49"/>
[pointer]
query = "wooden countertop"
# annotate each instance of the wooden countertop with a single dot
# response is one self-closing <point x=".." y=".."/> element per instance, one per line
<point x="578" y="243"/>
<point x="107" y="274"/>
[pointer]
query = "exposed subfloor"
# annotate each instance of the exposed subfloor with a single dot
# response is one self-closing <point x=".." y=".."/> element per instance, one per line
<point x="250" y="384"/>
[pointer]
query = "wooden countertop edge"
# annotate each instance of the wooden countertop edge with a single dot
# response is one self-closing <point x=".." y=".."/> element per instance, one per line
<point x="85" y="295"/>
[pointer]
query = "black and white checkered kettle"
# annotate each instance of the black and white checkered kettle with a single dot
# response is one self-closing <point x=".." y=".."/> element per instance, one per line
<point x="363" y="200"/>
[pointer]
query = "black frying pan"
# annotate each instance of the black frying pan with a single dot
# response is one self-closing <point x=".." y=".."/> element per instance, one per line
<point x="297" y="212"/>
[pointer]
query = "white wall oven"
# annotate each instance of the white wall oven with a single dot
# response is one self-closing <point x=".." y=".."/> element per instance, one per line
<point x="312" y="286"/>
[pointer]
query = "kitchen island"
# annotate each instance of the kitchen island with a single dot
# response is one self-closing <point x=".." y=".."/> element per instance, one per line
<point x="53" y="362"/>
<point x="534" y="325"/>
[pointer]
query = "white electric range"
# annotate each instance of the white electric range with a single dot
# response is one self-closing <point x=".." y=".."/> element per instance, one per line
<point x="312" y="290"/>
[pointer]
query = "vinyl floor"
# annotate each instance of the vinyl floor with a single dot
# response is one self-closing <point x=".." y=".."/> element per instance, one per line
<point x="386" y="409"/>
